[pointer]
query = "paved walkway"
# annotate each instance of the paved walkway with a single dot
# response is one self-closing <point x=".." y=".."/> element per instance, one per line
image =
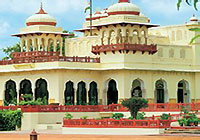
<point x="93" y="137"/>
<point x="57" y="135"/>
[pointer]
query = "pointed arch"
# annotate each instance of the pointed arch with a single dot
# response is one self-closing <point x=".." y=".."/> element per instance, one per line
<point x="93" y="94"/>
<point x="81" y="94"/>
<point x="183" y="92"/>
<point x="69" y="93"/>
<point x="25" y="88"/>
<point x="137" y="88"/>
<point x="112" y="92"/>
<point x="41" y="90"/>
<point x="161" y="94"/>
<point x="10" y="92"/>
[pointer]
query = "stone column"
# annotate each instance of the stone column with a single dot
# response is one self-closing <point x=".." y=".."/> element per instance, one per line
<point x="139" y="40"/>
<point x="39" y="44"/>
<point x="54" y="45"/>
<point x="146" y="39"/>
<point x="102" y="43"/>
<point x="108" y="40"/>
<point x="34" y="44"/>
<point x="117" y="39"/>
<point x="17" y="89"/>
<point x="61" y="47"/>
<point x="22" y="44"/>
<point x="46" y="45"/>
<point x="123" y="39"/>
<point x="27" y="45"/>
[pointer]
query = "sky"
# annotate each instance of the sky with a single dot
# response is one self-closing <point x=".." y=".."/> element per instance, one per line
<point x="70" y="14"/>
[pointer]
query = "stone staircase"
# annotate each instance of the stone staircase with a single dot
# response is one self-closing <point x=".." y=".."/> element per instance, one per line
<point x="195" y="130"/>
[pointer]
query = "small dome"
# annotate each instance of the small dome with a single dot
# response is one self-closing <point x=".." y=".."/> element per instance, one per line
<point x="194" y="18"/>
<point x="123" y="7"/>
<point x="41" y="18"/>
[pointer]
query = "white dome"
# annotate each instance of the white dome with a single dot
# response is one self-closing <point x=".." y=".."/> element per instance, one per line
<point x="194" y="18"/>
<point x="41" y="18"/>
<point x="124" y="7"/>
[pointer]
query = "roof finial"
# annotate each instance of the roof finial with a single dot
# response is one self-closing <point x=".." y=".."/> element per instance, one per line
<point x="41" y="6"/>
<point x="41" y="9"/>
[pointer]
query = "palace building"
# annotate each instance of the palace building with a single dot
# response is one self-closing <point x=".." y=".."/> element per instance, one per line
<point x="125" y="56"/>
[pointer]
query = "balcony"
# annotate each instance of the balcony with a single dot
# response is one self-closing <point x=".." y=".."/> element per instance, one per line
<point x="124" y="48"/>
<point x="37" y="57"/>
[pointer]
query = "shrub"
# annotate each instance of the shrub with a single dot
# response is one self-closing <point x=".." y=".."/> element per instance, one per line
<point x="68" y="116"/>
<point x="134" y="104"/>
<point x="117" y="116"/>
<point x="140" y="116"/>
<point x="32" y="102"/>
<point x="9" y="120"/>
<point x="84" y="117"/>
<point x="188" y="118"/>
<point x="164" y="117"/>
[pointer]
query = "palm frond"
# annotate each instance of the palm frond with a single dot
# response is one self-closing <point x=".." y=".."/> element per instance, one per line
<point x="195" y="29"/>
<point x="194" y="38"/>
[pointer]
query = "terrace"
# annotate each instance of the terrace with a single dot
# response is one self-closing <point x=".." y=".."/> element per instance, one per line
<point x="42" y="56"/>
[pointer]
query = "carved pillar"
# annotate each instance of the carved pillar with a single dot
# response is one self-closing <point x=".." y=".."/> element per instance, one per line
<point x="123" y="39"/>
<point x="139" y="40"/>
<point x="130" y="39"/>
<point x="46" y="45"/>
<point x="108" y="40"/>
<point x="39" y="44"/>
<point x="54" y="45"/>
<point x="22" y="44"/>
<point x="49" y="45"/>
<point x="27" y="45"/>
<point x="146" y="40"/>
<point x="33" y="44"/>
<point x="61" y="47"/>
<point x="117" y="39"/>
<point x="102" y="43"/>
<point x="17" y="89"/>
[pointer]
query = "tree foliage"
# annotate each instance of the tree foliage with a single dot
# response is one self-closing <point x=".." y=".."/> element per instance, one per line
<point x="10" y="119"/>
<point x="189" y="2"/>
<point x="134" y="105"/>
<point x="11" y="49"/>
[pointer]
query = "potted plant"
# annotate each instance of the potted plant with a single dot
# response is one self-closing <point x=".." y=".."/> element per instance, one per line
<point x="68" y="116"/>
<point x="182" y="122"/>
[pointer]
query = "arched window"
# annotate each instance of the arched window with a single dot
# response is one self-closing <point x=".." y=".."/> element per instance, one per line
<point x="112" y="93"/>
<point x="137" y="88"/>
<point x="93" y="94"/>
<point x="81" y="94"/>
<point x="183" y="93"/>
<point x="69" y="93"/>
<point x="161" y="95"/>
<point x="25" y="89"/>
<point x="10" y="93"/>
<point x="41" y="90"/>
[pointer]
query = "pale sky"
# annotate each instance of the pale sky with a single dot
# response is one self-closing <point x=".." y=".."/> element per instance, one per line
<point x="70" y="14"/>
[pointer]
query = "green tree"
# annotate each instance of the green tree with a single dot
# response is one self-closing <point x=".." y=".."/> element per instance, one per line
<point x="194" y="3"/>
<point x="11" y="49"/>
<point x="134" y="105"/>
<point x="189" y="2"/>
